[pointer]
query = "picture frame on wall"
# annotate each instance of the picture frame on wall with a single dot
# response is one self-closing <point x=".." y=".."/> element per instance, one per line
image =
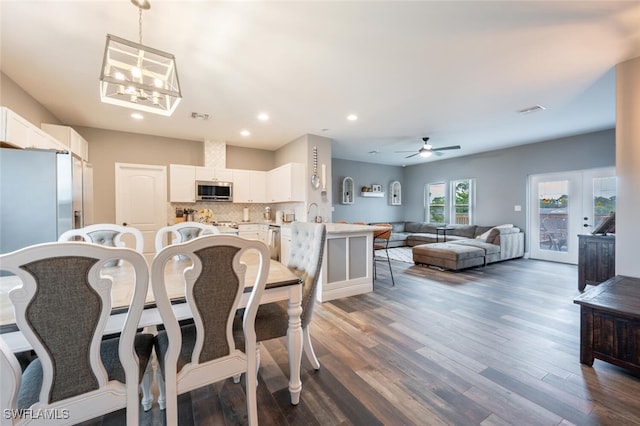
<point x="376" y="188"/>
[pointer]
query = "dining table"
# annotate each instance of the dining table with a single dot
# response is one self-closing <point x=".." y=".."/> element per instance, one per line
<point x="282" y="284"/>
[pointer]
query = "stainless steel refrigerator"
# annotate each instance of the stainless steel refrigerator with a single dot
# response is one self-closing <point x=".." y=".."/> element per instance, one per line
<point x="41" y="196"/>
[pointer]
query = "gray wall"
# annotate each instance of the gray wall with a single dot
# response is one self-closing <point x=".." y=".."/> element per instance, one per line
<point x="501" y="176"/>
<point x="249" y="158"/>
<point x="17" y="100"/>
<point x="107" y="147"/>
<point x="367" y="209"/>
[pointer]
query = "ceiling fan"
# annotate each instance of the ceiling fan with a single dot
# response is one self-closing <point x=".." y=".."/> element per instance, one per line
<point x="427" y="149"/>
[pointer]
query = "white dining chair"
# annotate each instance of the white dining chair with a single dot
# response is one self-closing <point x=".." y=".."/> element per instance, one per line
<point x="106" y="234"/>
<point x="272" y="319"/>
<point x="181" y="232"/>
<point x="204" y="352"/>
<point x="61" y="308"/>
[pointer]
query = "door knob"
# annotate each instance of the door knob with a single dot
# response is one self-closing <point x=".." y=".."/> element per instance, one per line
<point x="585" y="218"/>
<point x="586" y="225"/>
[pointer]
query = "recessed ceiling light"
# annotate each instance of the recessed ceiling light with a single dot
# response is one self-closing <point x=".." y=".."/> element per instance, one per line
<point x="137" y="116"/>
<point x="263" y="116"/>
<point x="352" y="117"/>
<point x="245" y="133"/>
<point x="529" y="110"/>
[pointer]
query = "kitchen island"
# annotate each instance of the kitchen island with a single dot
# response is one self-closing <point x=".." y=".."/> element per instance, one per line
<point x="347" y="265"/>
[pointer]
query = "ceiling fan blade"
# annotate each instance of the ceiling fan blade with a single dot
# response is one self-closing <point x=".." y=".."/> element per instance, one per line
<point x="438" y="154"/>
<point x="412" y="155"/>
<point x="444" y="148"/>
<point x="398" y="152"/>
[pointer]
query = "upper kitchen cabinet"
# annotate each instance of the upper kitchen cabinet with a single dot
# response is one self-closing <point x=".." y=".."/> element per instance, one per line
<point x="20" y="133"/>
<point x="214" y="174"/>
<point x="286" y="183"/>
<point x="70" y="138"/>
<point x="249" y="186"/>
<point x="182" y="183"/>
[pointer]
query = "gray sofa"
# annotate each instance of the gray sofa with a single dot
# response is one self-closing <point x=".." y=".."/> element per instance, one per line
<point x="465" y="246"/>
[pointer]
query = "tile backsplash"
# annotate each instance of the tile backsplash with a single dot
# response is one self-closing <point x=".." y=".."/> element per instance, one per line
<point x="233" y="212"/>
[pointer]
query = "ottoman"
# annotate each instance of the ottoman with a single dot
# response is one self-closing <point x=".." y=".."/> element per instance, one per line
<point x="448" y="256"/>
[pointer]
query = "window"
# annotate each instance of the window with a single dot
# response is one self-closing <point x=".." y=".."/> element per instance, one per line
<point x="436" y="202"/>
<point x="462" y="200"/>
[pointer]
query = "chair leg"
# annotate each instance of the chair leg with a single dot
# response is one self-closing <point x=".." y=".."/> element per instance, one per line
<point x="145" y="386"/>
<point x="162" y="394"/>
<point x="393" y="282"/>
<point x="308" y="348"/>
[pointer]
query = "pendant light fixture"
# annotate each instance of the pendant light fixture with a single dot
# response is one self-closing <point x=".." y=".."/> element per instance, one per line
<point x="137" y="76"/>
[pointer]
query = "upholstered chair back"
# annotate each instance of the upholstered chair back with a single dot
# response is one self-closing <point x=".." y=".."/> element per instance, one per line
<point x="182" y="232"/>
<point x="62" y="303"/>
<point x="205" y="352"/>
<point x="307" y="250"/>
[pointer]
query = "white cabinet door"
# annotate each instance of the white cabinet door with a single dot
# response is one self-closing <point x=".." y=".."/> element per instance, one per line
<point x="249" y="186"/>
<point x="182" y="187"/>
<point x="286" y="183"/>
<point x="68" y="137"/>
<point x="285" y="244"/>
<point x="214" y="174"/>
<point x="253" y="231"/>
<point x="16" y="130"/>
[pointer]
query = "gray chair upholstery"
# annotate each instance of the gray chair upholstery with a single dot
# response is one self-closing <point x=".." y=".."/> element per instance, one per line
<point x="272" y="320"/>
<point x="204" y="352"/>
<point x="62" y="307"/>
<point x="182" y="232"/>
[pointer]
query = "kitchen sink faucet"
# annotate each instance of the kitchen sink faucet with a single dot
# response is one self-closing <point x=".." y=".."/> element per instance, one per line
<point x="317" y="218"/>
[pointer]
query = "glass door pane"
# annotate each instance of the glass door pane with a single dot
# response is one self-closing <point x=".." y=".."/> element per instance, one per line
<point x="553" y="202"/>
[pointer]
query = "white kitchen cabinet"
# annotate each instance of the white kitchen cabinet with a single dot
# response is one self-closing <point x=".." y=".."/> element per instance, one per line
<point x="214" y="174"/>
<point x="286" y="183"/>
<point x="21" y="133"/>
<point x="249" y="186"/>
<point x="254" y="231"/>
<point x="285" y="244"/>
<point x="70" y="138"/>
<point x="182" y="180"/>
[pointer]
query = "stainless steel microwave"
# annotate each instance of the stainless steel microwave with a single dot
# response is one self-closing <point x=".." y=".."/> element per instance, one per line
<point x="214" y="191"/>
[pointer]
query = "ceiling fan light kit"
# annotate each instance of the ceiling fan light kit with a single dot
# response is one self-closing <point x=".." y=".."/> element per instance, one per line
<point x="137" y="76"/>
<point x="427" y="149"/>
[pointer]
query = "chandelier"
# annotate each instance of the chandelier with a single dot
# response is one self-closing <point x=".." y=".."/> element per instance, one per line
<point x="137" y="76"/>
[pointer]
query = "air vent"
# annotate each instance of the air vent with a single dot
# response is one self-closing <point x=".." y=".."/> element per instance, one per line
<point x="531" y="109"/>
<point x="200" y="116"/>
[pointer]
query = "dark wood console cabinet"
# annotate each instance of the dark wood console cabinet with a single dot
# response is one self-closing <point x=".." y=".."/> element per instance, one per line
<point x="610" y="323"/>
<point x="596" y="259"/>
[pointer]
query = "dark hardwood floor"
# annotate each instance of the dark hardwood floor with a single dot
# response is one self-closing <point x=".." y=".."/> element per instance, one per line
<point x="486" y="346"/>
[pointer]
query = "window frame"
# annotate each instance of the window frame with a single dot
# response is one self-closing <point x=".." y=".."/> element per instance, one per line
<point x="429" y="204"/>
<point x="470" y="204"/>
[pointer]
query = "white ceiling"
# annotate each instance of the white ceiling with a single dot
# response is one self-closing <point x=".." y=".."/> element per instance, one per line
<point x="456" y="71"/>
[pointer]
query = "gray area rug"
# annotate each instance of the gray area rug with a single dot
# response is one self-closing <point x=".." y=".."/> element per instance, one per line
<point x="401" y="254"/>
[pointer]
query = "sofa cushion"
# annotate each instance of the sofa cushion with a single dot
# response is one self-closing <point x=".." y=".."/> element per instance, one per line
<point x="466" y="231"/>
<point x="488" y="248"/>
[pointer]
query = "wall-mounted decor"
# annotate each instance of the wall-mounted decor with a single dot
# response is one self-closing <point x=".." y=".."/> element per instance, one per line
<point x="372" y="191"/>
<point x="347" y="190"/>
<point x="395" y="193"/>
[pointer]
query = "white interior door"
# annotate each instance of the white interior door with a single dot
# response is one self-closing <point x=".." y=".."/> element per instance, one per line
<point x="563" y="205"/>
<point x="141" y="200"/>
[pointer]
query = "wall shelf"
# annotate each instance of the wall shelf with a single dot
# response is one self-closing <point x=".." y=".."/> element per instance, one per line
<point x="372" y="194"/>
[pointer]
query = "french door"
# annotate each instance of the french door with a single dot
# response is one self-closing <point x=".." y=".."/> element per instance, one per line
<point x="563" y="205"/>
